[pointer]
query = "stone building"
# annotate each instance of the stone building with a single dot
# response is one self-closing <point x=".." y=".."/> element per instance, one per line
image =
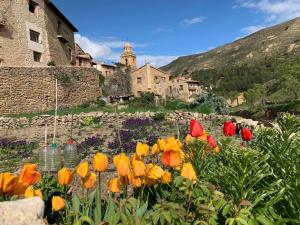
<point x="83" y="59"/>
<point x="36" y="32"/>
<point x="128" y="58"/>
<point x="184" y="89"/>
<point x="105" y="69"/>
<point x="150" y="79"/>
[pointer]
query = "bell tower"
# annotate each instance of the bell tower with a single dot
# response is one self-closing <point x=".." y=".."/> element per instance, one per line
<point x="128" y="57"/>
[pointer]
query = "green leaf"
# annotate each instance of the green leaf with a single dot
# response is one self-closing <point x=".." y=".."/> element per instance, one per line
<point x="263" y="220"/>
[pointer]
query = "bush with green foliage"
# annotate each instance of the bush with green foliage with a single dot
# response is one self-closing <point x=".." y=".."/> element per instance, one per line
<point x="144" y="101"/>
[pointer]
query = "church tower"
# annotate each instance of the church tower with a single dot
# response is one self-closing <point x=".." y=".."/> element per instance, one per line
<point x="128" y="57"/>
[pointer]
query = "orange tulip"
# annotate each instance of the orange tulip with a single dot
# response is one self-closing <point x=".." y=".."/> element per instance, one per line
<point x="217" y="150"/>
<point x="142" y="149"/>
<point x="188" y="172"/>
<point x="173" y="144"/>
<point x="171" y="158"/>
<point x="155" y="149"/>
<point x="166" y="178"/>
<point x="30" y="192"/>
<point x="122" y="164"/>
<point x="135" y="181"/>
<point x="139" y="168"/>
<point x="83" y="169"/>
<point x="30" y="175"/>
<point x="8" y="181"/>
<point x="58" y="203"/>
<point x="155" y="172"/>
<point x="188" y="139"/>
<point x="64" y="176"/>
<point x="18" y="189"/>
<point x="90" y="181"/>
<point x="203" y="137"/>
<point x="100" y="162"/>
<point x="114" y="185"/>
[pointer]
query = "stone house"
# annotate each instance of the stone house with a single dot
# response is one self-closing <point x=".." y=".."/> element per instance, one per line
<point x="37" y="33"/>
<point x="105" y="69"/>
<point x="150" y="79"/>
<point x="83" y="59"/>
<point x="184" y="89"/>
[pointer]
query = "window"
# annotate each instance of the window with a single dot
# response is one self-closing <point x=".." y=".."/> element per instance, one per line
<point x="34" y="36"/>
<point x="32" y="6"/>
<point x="181" y="87"/>
<point x="80" y="62"/>
<point x="139" y="80"/>
<point x="70" y="53"/>
<point x="37" y="56"/>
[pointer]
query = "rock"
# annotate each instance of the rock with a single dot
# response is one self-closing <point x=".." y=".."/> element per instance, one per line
<point x="22" y="212"/>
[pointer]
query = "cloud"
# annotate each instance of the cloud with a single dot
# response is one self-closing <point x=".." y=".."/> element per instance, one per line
<point x="111" y="50"/>
<point x="161" y="29"/>
<point x="155" y="60"/>
<point x="275" y="11"/>
<point x="192" y="21"/>
<point x="252" y="29"/>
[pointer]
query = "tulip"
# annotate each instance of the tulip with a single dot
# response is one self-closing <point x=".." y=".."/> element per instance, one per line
<point x="139" y="168"/>
<point x="211" y="141"/>
<point x="229" y="129"/>
<point x="30" y="192"/>
<point x="58" y="203"/>
<point x="18" y="189"/>
<point x="8" y="181"/>
<point x="64" y="176"/>
<point x="30" y="175"/>
<point x="161" y="144"/>
<point x="196" y="129"/>
<point x="166" y="178"/>
<point x="135" y="157"/>
<point x="246" y="134"/>
<point x="100" y="162"/>
<point x="155" y="172"/>
<point x="217" y="150"/>
<point x="189" y="139"/>
<point x="90" y="181"/>
<point x="155" y="149"/>
<point x="114" y="185"/>
<point x="203" y="137"/>
<point x="172" y="158"/>
<point x="122" y="164"/>
<point x="83" y="169"/>
<point x="135" y="181"/>
<point x="173" y="144"/>
<point x="188" y="172"/>
<point x="142" y="149"/>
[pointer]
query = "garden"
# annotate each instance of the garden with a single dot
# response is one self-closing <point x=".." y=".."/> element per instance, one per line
<point x="162" y="173"/>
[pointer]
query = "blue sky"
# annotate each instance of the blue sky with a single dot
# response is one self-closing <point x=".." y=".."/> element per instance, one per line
<point x="162" y="30"/>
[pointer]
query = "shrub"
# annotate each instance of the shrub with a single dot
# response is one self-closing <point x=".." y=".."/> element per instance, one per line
<point x="144" y="101"/>
<point x="160" y="116"/>
<point x="176" y="105"/>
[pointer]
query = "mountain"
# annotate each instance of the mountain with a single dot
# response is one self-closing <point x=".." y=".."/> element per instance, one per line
<point x="237" y="67"/>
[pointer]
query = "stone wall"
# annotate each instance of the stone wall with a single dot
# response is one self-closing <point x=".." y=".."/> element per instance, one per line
<point x="40" y="121"/>
<point x="27" y="89"/>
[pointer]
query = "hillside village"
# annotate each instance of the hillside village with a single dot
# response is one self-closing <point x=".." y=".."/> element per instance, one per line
<point x="40" y="35"/>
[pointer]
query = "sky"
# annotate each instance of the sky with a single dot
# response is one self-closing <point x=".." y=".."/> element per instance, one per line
<point x="162" y="30"/>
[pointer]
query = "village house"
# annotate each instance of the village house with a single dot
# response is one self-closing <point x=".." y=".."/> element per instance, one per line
<point x="37" y="33"/>
<point x="105" y="69"/>
<point x="83" y="59"/>
<point x="184" y="89"/>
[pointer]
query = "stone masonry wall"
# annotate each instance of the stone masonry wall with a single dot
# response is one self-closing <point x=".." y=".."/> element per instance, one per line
<point x="27" y="89"/>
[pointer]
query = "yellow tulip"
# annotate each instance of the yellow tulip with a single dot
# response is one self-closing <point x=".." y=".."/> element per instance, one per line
<point x="161" y="144"/>
<point x="100" y="162"/>
<point x="203" y="137"/>
<point x="166" y="178"/>
<point x="122" y="164"/>
<point x="90" y="181"/>
<point x="155" y="172"/>
<point x="8" y="181"/>
<point x="173" y="144"/>
<point x="217" y="150"/>
<point x="188" y="172"/>
<point x="189" y="139"/>
<point x="64" y="176"/>
<point x="30" y="192"/>
<point x="142" y="149"/>
<point x="30" y="175"/>
<point x="58" y="203"/>
<point x="139" y="168"/>
<point x="83" y="169"/>
<point x="135" y="157"/>
<point x="38" y="192"/>
<point x="114" y="185"/>
<point x="135" y="181"/>
<point x="155" y="149"/>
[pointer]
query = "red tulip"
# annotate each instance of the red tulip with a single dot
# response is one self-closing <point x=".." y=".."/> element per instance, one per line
<point x="229" y="129"/>
<point x="196" y="129"/>
<point x="246" y="134"/>
<point x="211" y="141"/>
